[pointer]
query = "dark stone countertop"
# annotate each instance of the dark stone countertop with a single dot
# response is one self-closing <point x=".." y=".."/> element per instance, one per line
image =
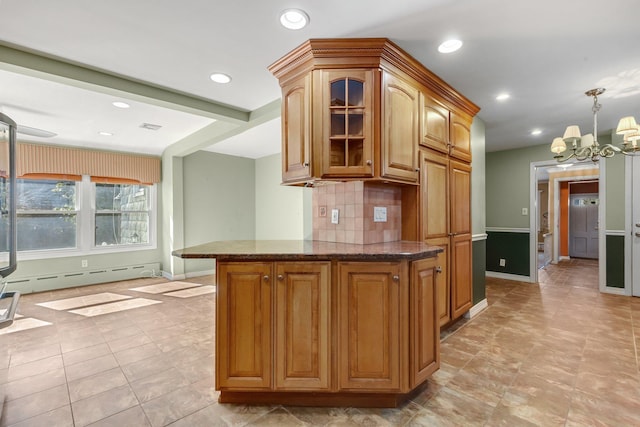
<point x="307" y="250"/>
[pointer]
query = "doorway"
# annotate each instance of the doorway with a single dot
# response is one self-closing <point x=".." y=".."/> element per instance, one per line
<point x="554" y="176"/>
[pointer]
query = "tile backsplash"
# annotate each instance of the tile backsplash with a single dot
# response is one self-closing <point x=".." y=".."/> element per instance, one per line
<point x="355" y="202"/>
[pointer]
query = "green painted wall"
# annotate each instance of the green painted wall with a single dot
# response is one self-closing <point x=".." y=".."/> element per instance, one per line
<point x="507" y="180"/>
<point x="479" y="269"/>
<point x="615" y="261"/>
<point x="280" y="209"/>
<point x="219" y="201"/>
<point x="513" y="248"/>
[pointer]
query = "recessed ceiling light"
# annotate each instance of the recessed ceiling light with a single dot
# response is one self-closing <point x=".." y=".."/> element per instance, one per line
<point x="450" y="46"/>
<point x="121" y="104"/>
<point x="103" y="133"/>
<point x="503" y="97"/>
<point x="220" y="78"/>
<point x="294" y="19"/>
<point x="536" y="132"/>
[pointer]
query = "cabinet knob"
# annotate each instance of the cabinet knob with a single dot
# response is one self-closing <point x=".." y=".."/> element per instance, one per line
<point x="637" y="224"/>
<point x="265" y="278"/>
<point x="280" y="277"/>
<point x="417" y="169"/>
<point x="369" y="162"/>
<point x="396" y="278"/>
<point x="637" y="234"/>
<point x="305" y="164"/>
<point x="438" y="269"/>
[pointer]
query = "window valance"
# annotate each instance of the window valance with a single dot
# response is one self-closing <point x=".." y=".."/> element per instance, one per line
<point x="33" y="160"/>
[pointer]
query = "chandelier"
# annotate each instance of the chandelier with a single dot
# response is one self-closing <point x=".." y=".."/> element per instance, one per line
<point x="586" y="147"/>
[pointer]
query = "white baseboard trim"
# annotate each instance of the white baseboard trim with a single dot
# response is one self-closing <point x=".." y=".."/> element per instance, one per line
<point x="507" y="276"/>
<point x="476" y="309"/>
<point x="614" y="291"/>
<point x="169" y="276"/>
<point x="201" y="273"/>
<point x="564" y="258"/>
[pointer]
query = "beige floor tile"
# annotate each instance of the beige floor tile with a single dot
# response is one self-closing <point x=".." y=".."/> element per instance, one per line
<point x="160" y="384"/>
<point x="134" y="417"/>
<point x="95" y="384"/>
<point x="34" y="404"/>
<point x="192" y="292"/>
<point x="83" y="301"/>
<point x="91" y="367"/>
<point x="103" y="405"/>
<point x="113" y="307"/>
<point x="161" y="288"/>
<point x="34" y="384"/>
<point x="61" y="417"/>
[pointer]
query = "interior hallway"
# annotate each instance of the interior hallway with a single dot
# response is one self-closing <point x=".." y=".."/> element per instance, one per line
<point x="557" y="353"/>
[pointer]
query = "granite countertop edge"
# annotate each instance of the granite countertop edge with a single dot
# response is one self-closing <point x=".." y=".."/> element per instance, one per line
<point x="307" y="250"/>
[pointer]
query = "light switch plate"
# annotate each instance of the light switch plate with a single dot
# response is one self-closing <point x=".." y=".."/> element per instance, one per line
<point x="525" y="211"/>
<point x="335" y="215"/>
<point x="379" y="214"/>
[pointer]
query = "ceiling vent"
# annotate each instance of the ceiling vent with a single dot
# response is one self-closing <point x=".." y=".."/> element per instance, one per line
<point x="150" y="126"/>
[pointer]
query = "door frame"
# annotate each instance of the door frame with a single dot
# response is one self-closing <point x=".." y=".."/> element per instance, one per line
<point x="533" y="231"/>
<point x="631" y="269"/>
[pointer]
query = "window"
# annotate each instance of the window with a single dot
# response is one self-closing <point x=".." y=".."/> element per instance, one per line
<point x="122" y="214"/>
<point x="47" y="214"/>
<point x="64" y="217"/>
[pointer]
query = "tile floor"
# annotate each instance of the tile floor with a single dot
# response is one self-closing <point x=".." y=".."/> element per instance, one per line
<point x="554" y="353"/>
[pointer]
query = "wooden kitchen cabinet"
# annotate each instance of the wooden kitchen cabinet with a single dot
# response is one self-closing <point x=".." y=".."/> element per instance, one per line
<point x="460" y="136"/>
<point x="424" y="321"/>
<point x="300" y="294"/>
<point x="302" y="326"/>
<point x="434" y="124"/>
<point x="371" y="331"/>
<point x="400" y="126"/>
<point x="347" y="123"/>
<point x="296" y="130"/>
<point x="445" y="219"/>
<point x="370" y="106"/>
<point x="243" y="322"/>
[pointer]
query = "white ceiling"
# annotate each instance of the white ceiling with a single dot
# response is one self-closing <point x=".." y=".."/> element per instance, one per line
<point x="545" y="53"/>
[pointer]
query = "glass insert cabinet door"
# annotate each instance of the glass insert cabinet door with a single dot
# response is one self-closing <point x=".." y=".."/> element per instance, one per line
<point x="348" y="110"/>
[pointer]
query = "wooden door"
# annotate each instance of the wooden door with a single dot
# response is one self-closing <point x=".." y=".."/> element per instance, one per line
<point x="243" y="316"/>
<point x="460" y="136"/>
<point x="583" y="226"/>
<point x="302" y="312"/>
<point x="369" y="318"/>
<point x="434" y="124"/>
<point x="400" y="127"/>
<point x="347" y="116"/>
<point x="296" y="130"/>
<point x="424" y="322"/>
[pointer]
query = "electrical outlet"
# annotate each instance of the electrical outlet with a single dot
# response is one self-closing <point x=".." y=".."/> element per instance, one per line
<point x="503" y="262"/>
<point x="379" y="214"/>
<point x="335" y="216"/>
<point x="85" y="263"/>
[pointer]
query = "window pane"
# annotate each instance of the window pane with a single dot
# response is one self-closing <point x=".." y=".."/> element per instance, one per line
<point x="122" y="197"/>
<point x="46" y="214"/>
<point x="122" y="228"/>
<point x="46" y="231"/>
<point x="48" y="195"/>
<point x="122" y="214"/>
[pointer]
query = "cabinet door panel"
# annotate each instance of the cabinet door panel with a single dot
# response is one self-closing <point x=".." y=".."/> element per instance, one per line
<point x="296" y="130"/>
<point x="434" y="195"/>
<point x="302" y="326"/>
<point x="347" y="122"/>
<point x="442" y="280"/>
<point x="243" y="343"/>
<point x="460" y="136"/>
<point x="434" y="130"/>
<point x="461" y="274"/>
<point x="401" y="130"/>
<point x="368" y="300"/>
<point x="425" y="327"/>
<point x="460" y="178"/>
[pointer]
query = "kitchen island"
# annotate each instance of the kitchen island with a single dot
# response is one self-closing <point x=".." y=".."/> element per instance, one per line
<point x="316" y="323"/>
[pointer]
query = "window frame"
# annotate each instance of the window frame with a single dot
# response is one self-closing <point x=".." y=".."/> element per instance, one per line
<point x="85" y="227"/>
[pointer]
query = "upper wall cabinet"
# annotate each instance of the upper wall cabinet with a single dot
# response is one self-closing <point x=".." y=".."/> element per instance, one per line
<point x="357" y="109"/>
